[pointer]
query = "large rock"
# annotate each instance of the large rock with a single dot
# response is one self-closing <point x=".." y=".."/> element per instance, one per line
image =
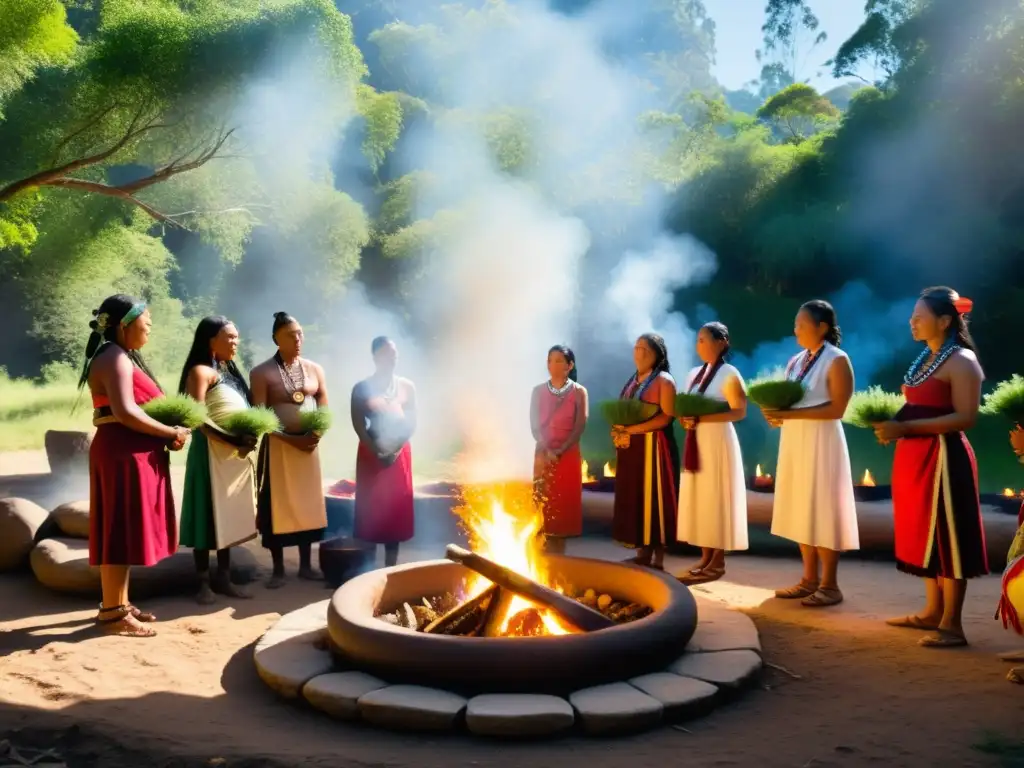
<point x="67" y="452"/>
<point x="72" y="519"/>
<point x="62" y="564"/>
<point x="412" y="708"/>
<point x="616" y="708"/>
<point x="20" y="520"/>
<point x="519" y="714"/>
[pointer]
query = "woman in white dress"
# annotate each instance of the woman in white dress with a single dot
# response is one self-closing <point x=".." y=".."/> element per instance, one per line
<point x="712" y="492"/>
<point x="814" y="503"/>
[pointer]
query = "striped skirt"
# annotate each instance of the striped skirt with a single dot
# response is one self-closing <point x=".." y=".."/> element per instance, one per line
<point x="645" y="492"/>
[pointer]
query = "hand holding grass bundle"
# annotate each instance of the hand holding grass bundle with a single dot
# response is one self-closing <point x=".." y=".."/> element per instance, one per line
<point x="315" y="421"/>
<point x="1006" y="400"/>
<point x="251" y="423"/>
<point x="176" y="411"/>
<point x="775" y="394"/>
<point x="872" y="406"/>
<point x="627" y="413"/>
<point x="696" y="406"/>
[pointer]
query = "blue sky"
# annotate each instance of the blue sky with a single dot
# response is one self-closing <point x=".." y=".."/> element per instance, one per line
<point x="738" y="35"/>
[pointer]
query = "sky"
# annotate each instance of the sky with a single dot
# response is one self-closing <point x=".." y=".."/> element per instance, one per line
<point x="738" y="35"/>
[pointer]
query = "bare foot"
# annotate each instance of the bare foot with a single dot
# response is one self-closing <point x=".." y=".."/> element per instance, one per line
<point x="310" y="574"/>
<point x="276" y="582"/>
<point x="1016" y="675"/>
<point x="1012" y="655"/>
<point x="205" y="595"/>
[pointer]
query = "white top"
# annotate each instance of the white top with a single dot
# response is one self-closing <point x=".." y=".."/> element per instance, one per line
<point x="716" y="389"/>
<point x="816" y="381"/>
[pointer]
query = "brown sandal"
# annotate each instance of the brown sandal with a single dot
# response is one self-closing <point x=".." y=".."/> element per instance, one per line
<point x="797" y="592"/>
<point x="943" y="638"/>
<point x="823" y="597"/>
<point x="124" y="616"/>
<point x="143" y="616"/>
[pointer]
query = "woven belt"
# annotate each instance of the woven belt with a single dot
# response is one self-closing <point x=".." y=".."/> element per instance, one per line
<point x="103" y="415"/>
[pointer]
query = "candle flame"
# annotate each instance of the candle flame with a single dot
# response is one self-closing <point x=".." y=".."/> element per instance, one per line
<point x="585" y="472"/>
<point x="1009" y="493"/>
<point x="609" y="470"/>
<point x="757" y="471"/>
<point x="867" y="479"/>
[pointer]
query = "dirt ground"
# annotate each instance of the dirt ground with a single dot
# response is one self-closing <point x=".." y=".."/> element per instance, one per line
<point x="840" y="688"/>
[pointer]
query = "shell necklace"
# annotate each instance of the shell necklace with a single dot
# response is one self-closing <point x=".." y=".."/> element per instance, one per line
<point x="917" y="374"/>
<point x="561" y="390"/>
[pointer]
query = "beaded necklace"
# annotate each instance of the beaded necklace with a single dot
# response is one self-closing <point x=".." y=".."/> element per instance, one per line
<point x="560" y="390"/>
<point x="917" y="374"/>
<point x="809" y="362"/>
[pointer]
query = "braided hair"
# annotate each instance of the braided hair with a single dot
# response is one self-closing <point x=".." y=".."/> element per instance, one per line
<point x="200" y="353"/>
<point x="823" y="312"/>
<point x="719" y="332"/>
<point x="106" y="320"/>
<point x="661" y="364"/>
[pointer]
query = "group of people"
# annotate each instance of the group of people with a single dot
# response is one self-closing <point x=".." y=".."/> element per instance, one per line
<point x="698" y="495"/>
<point x="230" y="496"/>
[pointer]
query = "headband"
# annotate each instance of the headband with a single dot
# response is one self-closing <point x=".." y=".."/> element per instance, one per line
<point x="103" y="319"/>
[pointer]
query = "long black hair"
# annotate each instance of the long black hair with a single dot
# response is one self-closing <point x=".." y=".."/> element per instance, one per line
<point x="106" y="320"/>
<point x="823" y="312"/>
<point x="570" y="357"/>
<point x="942" y="302"/>
<point x="661" y="364"/>
<point x="201" y="354"/>
<point x="719" y="332"/>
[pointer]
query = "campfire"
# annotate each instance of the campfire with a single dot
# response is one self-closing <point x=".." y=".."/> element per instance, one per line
<point x="868" y="481"/>
<point x="510" y="592"/>
<point x="1012" y="494"/>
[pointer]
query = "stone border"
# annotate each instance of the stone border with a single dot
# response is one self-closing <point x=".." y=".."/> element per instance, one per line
<point x="723" y="655"/>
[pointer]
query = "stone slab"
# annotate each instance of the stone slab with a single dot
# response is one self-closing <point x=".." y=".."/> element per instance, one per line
<point x="729" y="669"/>
<point x="20" y="520"/>
<point x="519" y="714"/>
<point x="294" y="650"/>
<point x="680" y="696"/>
<point x="338" y="693"/>
<point x="412" y="708"/>
<point x="615" y="708"/>
<point x="723" y="629"/>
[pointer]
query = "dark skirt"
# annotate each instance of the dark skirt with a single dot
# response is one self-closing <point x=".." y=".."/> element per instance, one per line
<point x="384" y="509"/>
<point x="264" y="521"/>
<point x="938" y="526"/>
<point x="196" y="526"/>
<point x="131" y="505"/>
<point x="645" y="491"/>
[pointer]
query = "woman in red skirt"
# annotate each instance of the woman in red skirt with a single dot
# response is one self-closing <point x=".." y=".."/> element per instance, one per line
<point x="558" y="416"/>
<point x="384" y="418"/>
<point x="647" y="465"/>
<point x="939" y="531"/>
<point x="131" y="510"/>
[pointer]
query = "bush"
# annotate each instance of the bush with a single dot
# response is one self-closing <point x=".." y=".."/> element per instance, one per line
<point x="1006" y="400"/>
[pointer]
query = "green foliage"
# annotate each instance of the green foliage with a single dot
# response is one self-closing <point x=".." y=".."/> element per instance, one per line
<point x="775" y="394"/>
<point x="799" y="109"/>
<point x="315" y="421"/>
<point x="383" y="115"/>
<point x="626" y="413"/>
<point x="872" y="406"/>
<point x="176" y="411"/>
<point x="33" y="34"/>
<point x="1006" y="400"/>
<point x="695" y="405"/>
<point x="251" y="422"/>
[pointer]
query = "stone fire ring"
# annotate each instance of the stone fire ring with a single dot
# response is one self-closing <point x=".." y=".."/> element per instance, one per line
<point x="339" y="659"/>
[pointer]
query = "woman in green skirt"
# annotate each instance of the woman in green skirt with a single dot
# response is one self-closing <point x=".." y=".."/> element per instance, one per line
<point x="219" y="504"/>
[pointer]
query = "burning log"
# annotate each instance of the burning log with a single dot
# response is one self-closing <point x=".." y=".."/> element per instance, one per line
<point x="466" y="617"/>
<point x="580" y="616"/>
<point x="496" y="611"/>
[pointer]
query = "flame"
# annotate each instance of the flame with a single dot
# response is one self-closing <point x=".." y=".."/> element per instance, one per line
<point x="585" y="471"/>
<point x="867" y="479"/>
<point x="757" y="470"/>
<point x="1009" y="493"/>
<point x="503" y="520"/>
<point x="609" y="470"/>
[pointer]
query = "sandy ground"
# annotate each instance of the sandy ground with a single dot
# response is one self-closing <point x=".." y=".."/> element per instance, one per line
<point x="841" y="689"/>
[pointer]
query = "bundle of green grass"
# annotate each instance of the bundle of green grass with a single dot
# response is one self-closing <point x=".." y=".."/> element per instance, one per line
<point x="251" y="423"/>
<point x="627" y="413"/>
<point x="774" y="392"/>
<point x="695" y="406"/>
<point x="872" y="406"/>
<point x="315" y="421"/>
<point x="1006" y="400"/>
<point x="176" y="411"/>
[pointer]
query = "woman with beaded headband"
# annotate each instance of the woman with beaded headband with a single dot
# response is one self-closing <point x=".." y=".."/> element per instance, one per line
<point x="219" y="500"/>
<point x="647" y="459"/>
<point x="131" y="507"/>
<point x="558" y="416"/>
<point x="814" y="504"/>
<point x="712" y="490"/>
<point x="939" y="532"/>
<point x="290" y="506"/>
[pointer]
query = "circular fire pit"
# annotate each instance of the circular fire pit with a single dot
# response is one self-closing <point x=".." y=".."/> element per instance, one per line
<point x="681" y="660"/>
<point x="546" y="664"/>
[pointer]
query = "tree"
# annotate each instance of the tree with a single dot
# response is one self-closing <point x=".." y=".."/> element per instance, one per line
<point x="799" y="110"/>
<point x="872" y="44"/>
<point x="791" y="33"/>
<point x="33" y="34"/>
